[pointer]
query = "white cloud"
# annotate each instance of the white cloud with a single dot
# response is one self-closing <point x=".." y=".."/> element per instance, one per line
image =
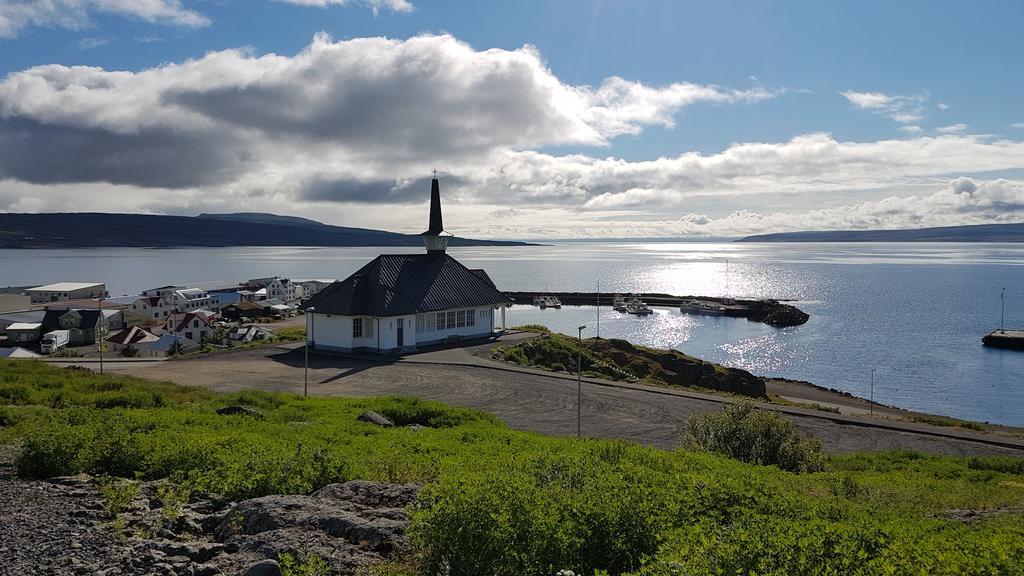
<point x="958" y="128"/>
<point x="347" y="132"/>
<point x="16" y="15"/>
<point x="942" y="106"/>
<point x="1017" y="125"/>
<point x="375" y="5"/>
<point x="92" y="42"/>
<point x="910" y="129"/>
<point x="901" y="109"/>
<point x="368" y="109"/>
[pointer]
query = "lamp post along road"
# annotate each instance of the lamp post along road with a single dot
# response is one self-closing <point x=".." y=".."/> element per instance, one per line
<point x="101" y="329"/>
<point x="871" y="408"/>
<point x="309" y="338"/>
<point x="579" y="379"/>
<point x="1002" y="310"/>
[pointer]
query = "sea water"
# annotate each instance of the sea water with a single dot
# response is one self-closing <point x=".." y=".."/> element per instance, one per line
<point x="912" y="312"/>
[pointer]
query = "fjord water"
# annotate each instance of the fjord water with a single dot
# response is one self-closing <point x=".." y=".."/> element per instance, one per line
<point x="913" y="312"/>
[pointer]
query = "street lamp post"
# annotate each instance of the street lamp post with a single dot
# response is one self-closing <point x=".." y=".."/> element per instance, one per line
<point x="1002" y="310"/>
<point x="309" y="336"/>
<point x="579" y="379"/>
<point x="598" y="309"/>
<point x="871" y="409"/>
<point x="100" y="329"/>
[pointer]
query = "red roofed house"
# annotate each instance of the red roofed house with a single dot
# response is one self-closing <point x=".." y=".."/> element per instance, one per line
<point x="133" y="336"/>
<point x="195" y="327"/>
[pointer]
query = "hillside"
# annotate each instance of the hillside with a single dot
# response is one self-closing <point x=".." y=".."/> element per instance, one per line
<point x="976" y="233"/>
<point x="100" y="230"/>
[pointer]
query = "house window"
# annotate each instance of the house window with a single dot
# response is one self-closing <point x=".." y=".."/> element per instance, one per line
<point x="460" y="318"/>
<point x="440" y="321"/>
<point x="357" y="327"/>
<point x="421" y="323"/>
<point x="470" y="319"/>
<point x="451" y="319"/>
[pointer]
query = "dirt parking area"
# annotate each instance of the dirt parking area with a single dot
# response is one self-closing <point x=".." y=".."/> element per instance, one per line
<point x="535" y="402"/>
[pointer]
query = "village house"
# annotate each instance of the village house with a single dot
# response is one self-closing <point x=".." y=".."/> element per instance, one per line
<point x="83" y="325"/>
<point x="243" y="309"/>
<point x="270" y="288"/>
<point x="307" y="288"/>
<point x="24" y="332"/>
<point x="193" y="326"/>
<point x="136" y="337"/>
<point x="64" y="291"/>
<point x="402" y="301"/>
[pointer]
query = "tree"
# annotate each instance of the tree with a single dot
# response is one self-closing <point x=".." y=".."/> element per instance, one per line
<point x="129" y="351"/>
<point x="175" y="349"/>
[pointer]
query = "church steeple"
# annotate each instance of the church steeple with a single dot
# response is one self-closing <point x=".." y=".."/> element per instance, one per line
<point x="435" y="239"/>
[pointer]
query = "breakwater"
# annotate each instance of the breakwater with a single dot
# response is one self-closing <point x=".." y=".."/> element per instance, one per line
<point x="1009" y="339"/>
<point x="771" y="312"/>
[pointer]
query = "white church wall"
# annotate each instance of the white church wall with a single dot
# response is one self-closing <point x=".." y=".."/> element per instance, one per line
<point x="329" y="332"/>
<point x="428" y="331"/>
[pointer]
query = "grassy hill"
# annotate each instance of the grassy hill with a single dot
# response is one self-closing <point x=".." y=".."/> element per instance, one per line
<point x="500" y="501"/>
<point x="100" y="230"/>
<point x="976" y="233"/>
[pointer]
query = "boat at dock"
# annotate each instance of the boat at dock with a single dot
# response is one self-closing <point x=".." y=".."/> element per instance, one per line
<point x="619" y="303"/>
<point x="638" y="307"/>
<point x="547" y="302"/>
<point x="705" y="307"/>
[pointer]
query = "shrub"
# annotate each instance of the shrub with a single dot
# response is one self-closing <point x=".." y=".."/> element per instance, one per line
<point x="129" y="351"/>
<point x="763" y="437"/>
<point x="14" y="394"/>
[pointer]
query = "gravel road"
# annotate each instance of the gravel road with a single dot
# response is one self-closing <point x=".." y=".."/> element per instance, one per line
<point x="525" y="401"/>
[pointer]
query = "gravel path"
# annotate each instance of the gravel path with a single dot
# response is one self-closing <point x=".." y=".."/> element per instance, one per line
<point x="525" y="401"/>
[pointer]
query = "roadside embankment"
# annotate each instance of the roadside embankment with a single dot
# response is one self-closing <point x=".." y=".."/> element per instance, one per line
<point x="768" y="311"/>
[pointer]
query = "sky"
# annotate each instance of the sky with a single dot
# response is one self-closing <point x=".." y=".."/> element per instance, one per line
<point x="543" y="119"/>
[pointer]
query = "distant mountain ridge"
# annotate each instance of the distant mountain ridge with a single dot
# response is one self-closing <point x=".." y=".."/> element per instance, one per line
<point x="103" y="230"/>
<point x="973" y="233"/>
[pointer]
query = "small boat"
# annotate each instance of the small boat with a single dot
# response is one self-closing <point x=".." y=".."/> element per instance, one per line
<point x="702" y="307"/>
<point x="619" y="303"/>
<point x="547" y="302"/>
<point x="637" y="306"/>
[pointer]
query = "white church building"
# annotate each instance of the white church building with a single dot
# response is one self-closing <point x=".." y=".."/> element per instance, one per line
<point x="398" y="302"/>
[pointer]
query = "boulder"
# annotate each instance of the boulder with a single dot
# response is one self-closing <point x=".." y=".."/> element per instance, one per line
<point x="264" y="568"/>
<point x="372" y="417"/>
<point x="239" y="411"/>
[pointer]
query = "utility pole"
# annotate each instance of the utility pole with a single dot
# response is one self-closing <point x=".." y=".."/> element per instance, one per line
<point x="1002" y="310"/>
<point x="579" y="380"/>
<point x="598" y="309"/>
<point x="871" y="409"/>
<point x="309" y="336"/>
<point x="100" y="329"/>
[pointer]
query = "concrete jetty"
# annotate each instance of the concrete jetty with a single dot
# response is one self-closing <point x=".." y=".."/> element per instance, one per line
<point x="771" y="312"/>
<point x="1009" y="339"/>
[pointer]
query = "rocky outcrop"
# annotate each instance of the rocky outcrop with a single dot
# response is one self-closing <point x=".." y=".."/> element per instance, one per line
<point x="61" y="526"/>
<point x="677" y="369"/>
<point x="372" y="417"/>
<point x="775" y="313"/>
<point x="239" y="411"/>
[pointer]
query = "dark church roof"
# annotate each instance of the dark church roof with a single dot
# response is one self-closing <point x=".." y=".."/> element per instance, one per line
<point x="395" y="284"/>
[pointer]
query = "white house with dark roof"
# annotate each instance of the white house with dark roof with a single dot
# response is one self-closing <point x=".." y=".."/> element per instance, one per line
<point x="402" y="301"/>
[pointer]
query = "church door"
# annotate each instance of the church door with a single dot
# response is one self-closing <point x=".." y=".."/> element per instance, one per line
<point x="401" y="332"/>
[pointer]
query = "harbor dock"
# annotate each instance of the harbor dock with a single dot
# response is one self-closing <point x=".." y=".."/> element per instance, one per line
<point x="771" y="312"/>
<point x="1009" y="339"/>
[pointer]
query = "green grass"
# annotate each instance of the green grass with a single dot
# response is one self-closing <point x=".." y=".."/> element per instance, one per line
<point x="500" y="501"/>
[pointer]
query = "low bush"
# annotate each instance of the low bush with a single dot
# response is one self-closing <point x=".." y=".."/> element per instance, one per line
<point x="748" y="434"/>
<point x="500" y="501"/>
